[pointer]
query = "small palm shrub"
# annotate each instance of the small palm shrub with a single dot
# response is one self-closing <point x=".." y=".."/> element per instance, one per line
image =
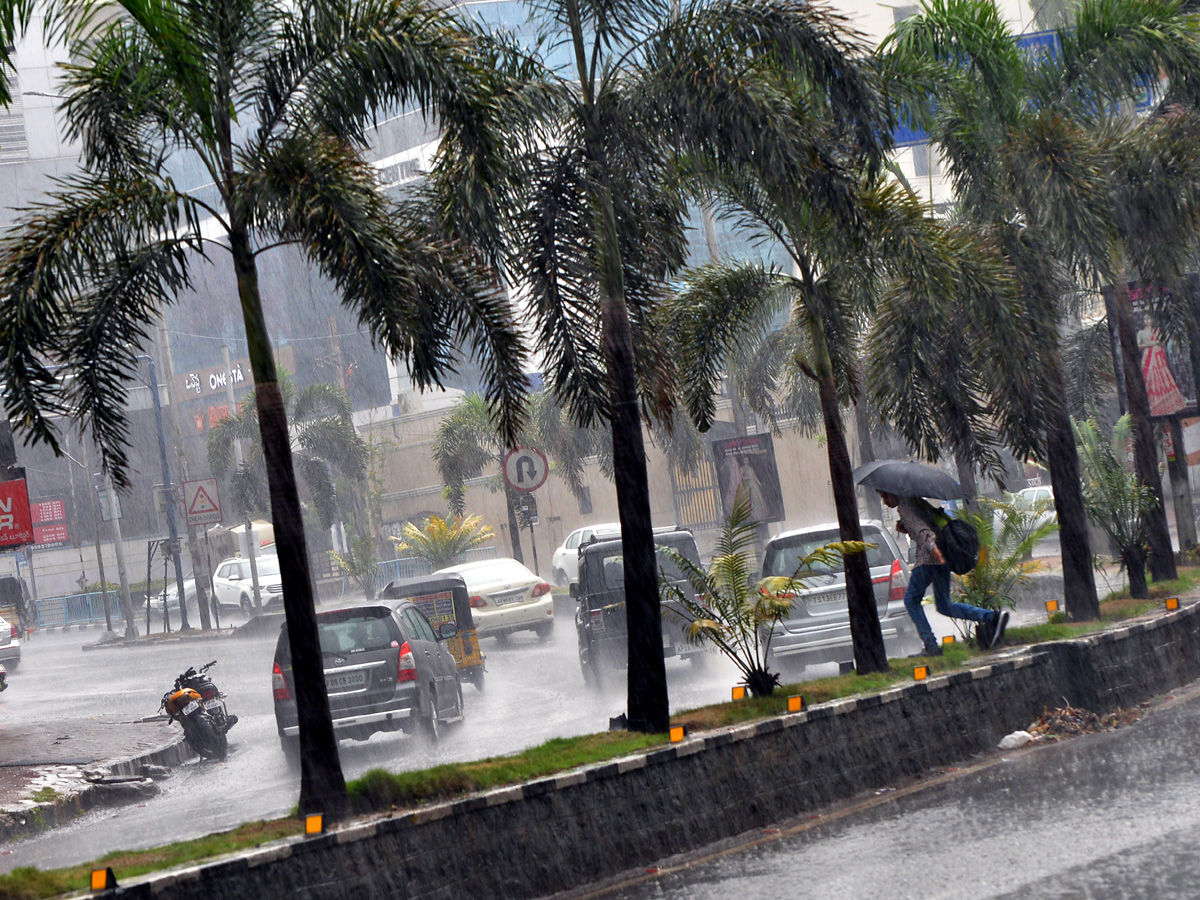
<point x="359" y="562"/>
<point x="1007" y="534"/>
<point x="733" y="611"/>
<point x="1114" y="499"/>
<point x="444" y="543"/>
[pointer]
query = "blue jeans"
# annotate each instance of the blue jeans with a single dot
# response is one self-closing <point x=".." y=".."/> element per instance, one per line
<point x="939" y="577"/>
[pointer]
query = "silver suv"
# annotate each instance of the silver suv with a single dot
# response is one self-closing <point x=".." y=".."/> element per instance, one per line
<point x="818" y="629"/>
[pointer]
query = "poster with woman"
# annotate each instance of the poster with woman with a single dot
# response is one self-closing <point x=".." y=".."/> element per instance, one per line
<point x="749" y="462"/>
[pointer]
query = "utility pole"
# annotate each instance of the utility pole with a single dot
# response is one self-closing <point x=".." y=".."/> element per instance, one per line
<point x="200" y="571"/>
<point x="87" y="471"/>
<point x="126" y="600"/>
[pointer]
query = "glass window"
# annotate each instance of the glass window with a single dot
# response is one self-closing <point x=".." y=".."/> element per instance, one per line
<point x="573" y="540"/>
<point x="355" y="631"/>
<point x="226" y="570"/>
<point x="783" y="556"/>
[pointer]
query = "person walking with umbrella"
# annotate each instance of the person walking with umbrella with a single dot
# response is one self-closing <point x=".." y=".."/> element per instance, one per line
<point x="901" y="487"/>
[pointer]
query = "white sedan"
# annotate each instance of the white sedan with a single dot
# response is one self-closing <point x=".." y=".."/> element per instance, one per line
<point x="506" y="597"/>
<point x="566" y="558"/>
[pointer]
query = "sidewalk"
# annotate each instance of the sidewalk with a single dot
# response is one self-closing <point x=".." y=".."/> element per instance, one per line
<point x="51" y="772"/>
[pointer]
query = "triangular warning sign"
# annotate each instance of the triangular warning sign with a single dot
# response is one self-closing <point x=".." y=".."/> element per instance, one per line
<point x="201" y="503"/>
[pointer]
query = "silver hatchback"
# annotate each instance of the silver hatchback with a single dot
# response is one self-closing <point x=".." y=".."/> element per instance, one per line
<point x="818" y="628"/>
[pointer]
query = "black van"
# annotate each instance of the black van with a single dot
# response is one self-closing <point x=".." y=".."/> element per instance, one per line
<point x="600" y="594"/>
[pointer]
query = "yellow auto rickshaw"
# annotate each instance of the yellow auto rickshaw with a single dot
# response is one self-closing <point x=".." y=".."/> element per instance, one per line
<point x="444" y="598"/>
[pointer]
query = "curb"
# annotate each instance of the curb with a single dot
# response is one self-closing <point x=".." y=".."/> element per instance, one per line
<point x="582" y="826"/>
<point x="200" y="637"/>
<point x="42" y="816"/>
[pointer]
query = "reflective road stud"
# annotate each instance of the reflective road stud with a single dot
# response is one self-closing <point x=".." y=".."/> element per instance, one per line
<point x="795" y="703"/>
<point x="314" y="824"/>
<point x="920" y="673"/>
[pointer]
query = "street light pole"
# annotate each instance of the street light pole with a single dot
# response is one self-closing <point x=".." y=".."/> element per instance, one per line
<point x="172" y="529"/>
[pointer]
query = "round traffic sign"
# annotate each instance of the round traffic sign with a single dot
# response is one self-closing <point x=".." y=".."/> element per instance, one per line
<point x="525" y="469"/>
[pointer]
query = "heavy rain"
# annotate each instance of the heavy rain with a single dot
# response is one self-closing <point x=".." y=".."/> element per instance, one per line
<point x="720" y="445"/>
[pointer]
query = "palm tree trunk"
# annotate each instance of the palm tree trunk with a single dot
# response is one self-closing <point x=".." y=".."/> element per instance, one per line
<point x="966" y="477"/>
<point x="1135" y="568"/>
<point x="1145" y="455"/>
<point x="322" y="786"/>
<point x="870" y="655"/>
<point x="1062" y="459"/>
<point x="648" y="706"/>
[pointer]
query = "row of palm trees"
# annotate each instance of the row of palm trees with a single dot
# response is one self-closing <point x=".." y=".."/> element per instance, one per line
<point x="574" y="183"/>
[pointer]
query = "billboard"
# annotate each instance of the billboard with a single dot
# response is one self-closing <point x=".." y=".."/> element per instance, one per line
<point x="16" y="524"/>
<point x="749" y="462"/>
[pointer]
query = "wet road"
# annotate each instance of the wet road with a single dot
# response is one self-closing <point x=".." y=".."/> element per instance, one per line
<point x="534" y="692"/>
<point x="1111" y="816"/>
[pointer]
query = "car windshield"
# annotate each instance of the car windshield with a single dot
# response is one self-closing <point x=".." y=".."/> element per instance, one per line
<point x="267" y="565"/>
<point x="783" y="555"/>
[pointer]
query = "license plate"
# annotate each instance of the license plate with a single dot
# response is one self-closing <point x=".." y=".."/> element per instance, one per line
<point x="345" y="679"/>
<point x="191" y="707"/>
<point x="505" y="599"/>
<point x="832" y="599"/>
<point x="213" y="703"/>
<point x="666" y="640"/>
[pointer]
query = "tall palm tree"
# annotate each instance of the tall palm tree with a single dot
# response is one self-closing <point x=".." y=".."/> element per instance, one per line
<point x="847" y="246"/>
<point x="272" y="100"/>
<point x="1024" y="138"/>
<point x="589" y="213"/>
<point x="323" y="438"/>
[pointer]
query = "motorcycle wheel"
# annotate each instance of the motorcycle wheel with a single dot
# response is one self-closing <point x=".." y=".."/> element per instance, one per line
<point x="206" y="739"/>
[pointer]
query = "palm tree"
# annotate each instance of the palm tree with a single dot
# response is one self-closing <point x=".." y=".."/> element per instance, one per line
<point x="847" y="244"/>
<point x="323" y="438"/>
<point x="1026" y="145"/>
<point x="442" y="543"/>
<point x="588" y="210"/>
<point x="272" y="100"/>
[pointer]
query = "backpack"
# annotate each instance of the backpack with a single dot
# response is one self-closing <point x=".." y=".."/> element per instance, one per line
<point x="959" y="544"/>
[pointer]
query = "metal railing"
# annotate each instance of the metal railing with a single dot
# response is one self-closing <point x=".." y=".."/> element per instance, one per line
<point x="76" y="609"/>
<point x="413" y="566"/>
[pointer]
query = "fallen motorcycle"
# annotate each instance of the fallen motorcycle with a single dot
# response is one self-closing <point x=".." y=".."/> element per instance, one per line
<point x="211" y="697"/>
<point x="204" y="721"/>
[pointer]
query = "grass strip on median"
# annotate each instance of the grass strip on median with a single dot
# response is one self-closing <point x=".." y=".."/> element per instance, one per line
<point x="380" y="790"/>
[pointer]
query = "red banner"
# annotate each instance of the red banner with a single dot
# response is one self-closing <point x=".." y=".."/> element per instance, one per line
<point x="16" y="526"/>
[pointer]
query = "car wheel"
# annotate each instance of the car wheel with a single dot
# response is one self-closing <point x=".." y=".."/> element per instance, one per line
<point x="459" y="715"/>
<point x="502" y="638"/>
<point x="431" y="725"/>
<point x="476" y="678"/>
<point x="12" y="664"/>
<point x="545" y="630"/>
<point x="247" y="606"/>
<point x="560" y="578"/>
<point x="591" y="671"/>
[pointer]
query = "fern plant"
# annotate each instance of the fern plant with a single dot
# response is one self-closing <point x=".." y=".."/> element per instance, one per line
<point x="1114" y="499"/>
<point x="733" y="611"/>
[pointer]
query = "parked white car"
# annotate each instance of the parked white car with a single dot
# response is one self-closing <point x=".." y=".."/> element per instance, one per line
<point x="506" y="597"/>
<point x="234" y="589"/>
<point x="566" y="558"/>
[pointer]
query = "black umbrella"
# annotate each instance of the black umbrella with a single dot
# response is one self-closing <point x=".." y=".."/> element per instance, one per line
<point x="908" y="479"/>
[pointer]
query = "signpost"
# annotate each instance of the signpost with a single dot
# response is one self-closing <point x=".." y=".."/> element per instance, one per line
<point x="525" y="469"/>
<point x="202" y="502"/>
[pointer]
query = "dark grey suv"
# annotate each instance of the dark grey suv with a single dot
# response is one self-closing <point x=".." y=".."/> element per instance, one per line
<point x="385" y="670"/>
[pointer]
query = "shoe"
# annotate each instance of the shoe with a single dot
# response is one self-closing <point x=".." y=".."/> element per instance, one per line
<point x="983" y="634"/>
<point x="998" y="625"/>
